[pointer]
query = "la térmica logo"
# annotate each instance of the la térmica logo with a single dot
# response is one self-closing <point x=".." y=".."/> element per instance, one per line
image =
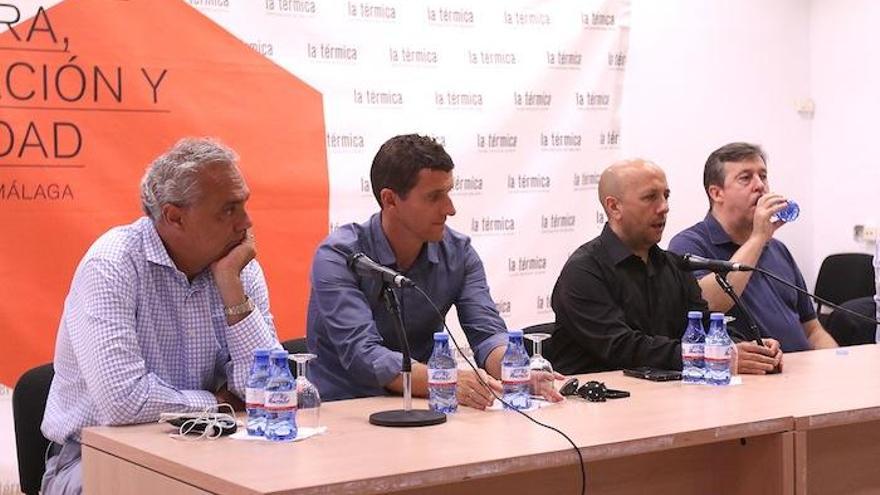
<point x="592" y="101"/>
<point x="553" y="223"/>
<point x="489" y="225"/>
<point x="532" y="100"/>
<point x="372" y="11"/>
<point x="343" y="142"/>
<point x="527" y="18"/>
<point x="520" y="183"/>
<point x="496" y="142"/>
<point x="598" y="20"/>
<point x="527" y="265"/>
<point x="561" y="59"/>
<point x="543" y="304"/>
<point x="560" y="141"/>
<point x="585" y="180"/>
<point x="450" y="17"/>
<point x="468" y="185"/>
<point x="458" y="99"/>
<point x="491" y="58"/>
<point x="332" y="52"/>
<point x="377" y="98"/>
<point x="504" y="307"/>
<point x="404" y="56"/>
<point x="299" y="8"/>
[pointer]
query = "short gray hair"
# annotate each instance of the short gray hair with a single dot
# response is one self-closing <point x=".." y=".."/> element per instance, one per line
<point x="172" y="178"/>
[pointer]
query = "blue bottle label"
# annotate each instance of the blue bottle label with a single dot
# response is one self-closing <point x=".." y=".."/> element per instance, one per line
<point x="277" y="401"/>
<point x="718" y="352"/>
<point x="692" y="350"/>
<point x="254" y="397"/>
<point x="515" y="374"/>
<point x="442" y="376"/>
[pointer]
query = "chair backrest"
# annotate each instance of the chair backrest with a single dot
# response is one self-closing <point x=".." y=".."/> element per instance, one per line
<point x="28" y="405"/>
<point x="846" y="276"/>
<point x="849" y="330"/>
<point x="294" y="346"/>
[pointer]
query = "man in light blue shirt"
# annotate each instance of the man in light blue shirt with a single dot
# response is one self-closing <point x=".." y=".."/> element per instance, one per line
<point x="348" y="326"/>
<point x="163" y="314"/>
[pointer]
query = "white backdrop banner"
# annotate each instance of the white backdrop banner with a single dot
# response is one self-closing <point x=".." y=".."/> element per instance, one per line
<point x="524" y="95"/>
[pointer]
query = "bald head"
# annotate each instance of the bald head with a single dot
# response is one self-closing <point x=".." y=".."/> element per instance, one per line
<point x="634" y="196"/>
<point x="620" y="177"/>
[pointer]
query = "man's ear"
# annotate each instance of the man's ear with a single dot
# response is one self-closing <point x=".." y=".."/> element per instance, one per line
<point x="612" y="207"/>
<point x="388" y="198"/>
<point x="716" y="193"/>
<point x="173" y="215"/>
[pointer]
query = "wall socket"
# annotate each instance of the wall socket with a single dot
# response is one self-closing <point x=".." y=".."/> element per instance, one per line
<point x="865" y="234"/>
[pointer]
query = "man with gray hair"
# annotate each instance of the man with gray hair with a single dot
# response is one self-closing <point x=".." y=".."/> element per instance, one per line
<point x="163" y="314"/>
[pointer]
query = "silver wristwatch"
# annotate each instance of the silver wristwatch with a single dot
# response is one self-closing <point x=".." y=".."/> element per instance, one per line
<point x="239" y="309"/>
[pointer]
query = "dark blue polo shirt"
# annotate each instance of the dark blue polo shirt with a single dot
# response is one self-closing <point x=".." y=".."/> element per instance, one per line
<point x="779" y="311"/>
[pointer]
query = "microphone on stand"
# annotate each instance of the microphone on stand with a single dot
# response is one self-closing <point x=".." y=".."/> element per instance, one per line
<point x="692" y="262"/>
<point x="360" y="263"/>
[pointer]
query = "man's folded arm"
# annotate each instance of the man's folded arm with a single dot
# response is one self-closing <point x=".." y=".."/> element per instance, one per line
<point x="102" y="333"/>
<point x="256" y="331"/>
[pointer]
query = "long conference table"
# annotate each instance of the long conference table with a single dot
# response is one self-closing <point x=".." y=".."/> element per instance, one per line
<point x="815" y="428"/>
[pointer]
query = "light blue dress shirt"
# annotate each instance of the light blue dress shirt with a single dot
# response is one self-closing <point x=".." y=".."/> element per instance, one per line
<point x="137" y="338"/>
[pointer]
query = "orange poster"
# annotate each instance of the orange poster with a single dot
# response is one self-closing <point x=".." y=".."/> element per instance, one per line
<point x="90" y="92"/>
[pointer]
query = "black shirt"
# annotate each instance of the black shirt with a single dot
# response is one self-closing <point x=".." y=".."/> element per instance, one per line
<point x="613" y="311"/>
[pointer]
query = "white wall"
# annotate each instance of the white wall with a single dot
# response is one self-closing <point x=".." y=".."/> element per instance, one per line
<point x="705" y="73"/>
<point x="845" y="79"/>
<point x="702" y="73"/>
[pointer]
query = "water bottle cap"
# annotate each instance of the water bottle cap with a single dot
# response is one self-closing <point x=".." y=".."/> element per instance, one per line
<point x="514" y="333"/>
<point x="278" y="354"/>
<point x="261" y="352"/>
<point x="441" y="336"/>
<point x="695" y="314"/>
<point x="717" y="316"/>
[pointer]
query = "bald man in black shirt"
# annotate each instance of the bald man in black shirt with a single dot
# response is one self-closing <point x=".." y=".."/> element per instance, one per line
<point x="620" y="300"/>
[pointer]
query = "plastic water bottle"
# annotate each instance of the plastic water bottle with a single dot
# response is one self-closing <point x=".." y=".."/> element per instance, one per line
<point x="280" y="399"/>
<point x="515" y="373"/>
<point x="442" y="376"/>
<point x="787" y="214"/>
<point x="255" y="394"/>
<point x="719" y="350"/>
<point x="693" y="349"/>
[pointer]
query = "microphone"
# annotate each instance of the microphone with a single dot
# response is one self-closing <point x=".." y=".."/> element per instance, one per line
<point x="362" y="264"/>
<point x="692" y="262"/>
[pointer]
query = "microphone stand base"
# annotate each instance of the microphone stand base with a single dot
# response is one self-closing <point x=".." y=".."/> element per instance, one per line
<point x="404" y="418"/>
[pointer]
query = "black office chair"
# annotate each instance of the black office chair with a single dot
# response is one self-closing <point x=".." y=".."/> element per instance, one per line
<point x="295" y="346"/>
<point x="843" y="277"/>
<point x="28" y="405"/>
<point x="539" y="328"/>
<point x="849" y="330"/>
